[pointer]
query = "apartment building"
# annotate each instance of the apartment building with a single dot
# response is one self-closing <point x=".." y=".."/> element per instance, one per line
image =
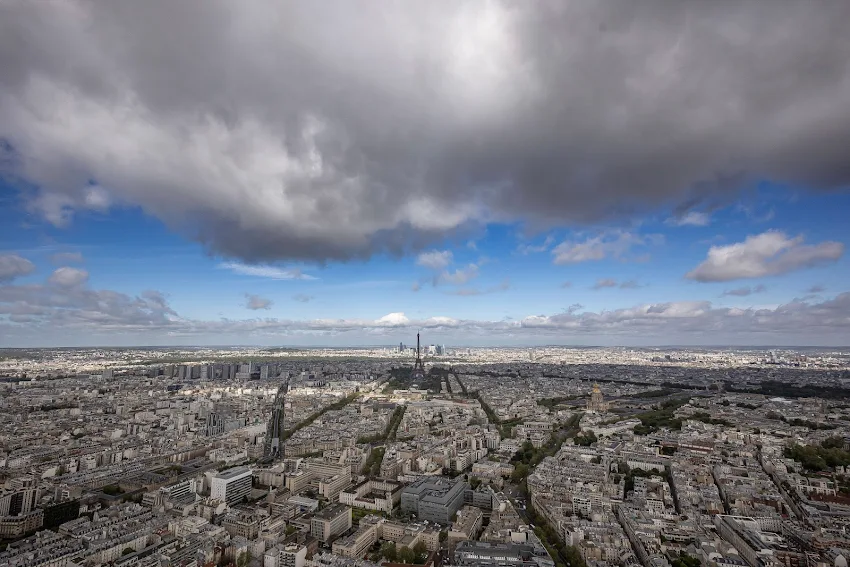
<point x="231" y="485"/>
<point x="330" y="522"/>
<point x="373" y="494"/>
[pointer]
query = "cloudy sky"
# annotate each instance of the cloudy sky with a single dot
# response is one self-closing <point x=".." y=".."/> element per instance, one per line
<point x="347" y="173"/>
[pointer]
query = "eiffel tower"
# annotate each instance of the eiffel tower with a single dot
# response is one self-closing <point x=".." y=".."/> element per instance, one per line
<point x="418" y="374"/>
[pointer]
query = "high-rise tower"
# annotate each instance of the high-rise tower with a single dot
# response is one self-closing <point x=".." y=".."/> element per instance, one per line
<point x="418" y="373"/>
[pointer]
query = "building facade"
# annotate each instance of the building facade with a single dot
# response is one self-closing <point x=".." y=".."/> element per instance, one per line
<point x="231" y="485"/>
<point x="435" y="499"/>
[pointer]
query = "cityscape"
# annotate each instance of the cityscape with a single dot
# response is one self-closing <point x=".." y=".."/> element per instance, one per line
<point x="489" y="283"/>
<point x="470" y="456"/>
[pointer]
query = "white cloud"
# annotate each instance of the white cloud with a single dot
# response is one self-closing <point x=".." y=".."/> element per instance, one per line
<point x="303" y="298"/>
<point x="393" y="319"/>
<point x="745" y="291"/>
<point x="770" y="253"/>
<point x="609" y="283"/>
<point x="457" y="277"/>
<point x="605" y="282"/>
<point x="435" y="259"/>
<point x="439" y="262"/>
<point x="255" y="302"/>
<point x="616" y="244"/>
<point x="13" y="266"/>
<point x="68" y="277"/>
<point x="270" y="272"/>
<point x="692" y="218"/>
<point x="534" y="249"/>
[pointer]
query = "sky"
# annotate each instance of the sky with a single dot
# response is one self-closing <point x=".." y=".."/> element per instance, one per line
<point x="485" y="173"/>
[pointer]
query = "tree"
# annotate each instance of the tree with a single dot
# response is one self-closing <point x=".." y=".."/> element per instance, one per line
<point x="520" y="472"/>
<point x="389" y="552"/>
<point x="406" y="555"/>
<point x="127" y="551"/>
<point x="243" y="559"/>
<point x="685" y="560"/>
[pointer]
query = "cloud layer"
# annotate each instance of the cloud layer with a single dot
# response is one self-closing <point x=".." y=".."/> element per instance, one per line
<point x="32" y="313"/>
<point x="324" y="131"/>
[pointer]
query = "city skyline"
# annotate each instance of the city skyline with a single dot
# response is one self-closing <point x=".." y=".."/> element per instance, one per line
<point x="163" y="184"/>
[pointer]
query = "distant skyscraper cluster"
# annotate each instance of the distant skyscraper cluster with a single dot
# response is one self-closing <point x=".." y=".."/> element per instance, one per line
<point x="430" y="350"/>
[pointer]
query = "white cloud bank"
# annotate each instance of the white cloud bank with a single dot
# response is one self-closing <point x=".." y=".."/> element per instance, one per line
<point x="35" y="313"/>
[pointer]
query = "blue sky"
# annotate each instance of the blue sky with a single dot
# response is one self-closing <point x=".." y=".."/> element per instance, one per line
<point x="127" y="251"/>
<point x="531" y="174"/>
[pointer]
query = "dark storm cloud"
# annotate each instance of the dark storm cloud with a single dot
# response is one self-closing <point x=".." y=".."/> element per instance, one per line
<point x="333" y="130"/>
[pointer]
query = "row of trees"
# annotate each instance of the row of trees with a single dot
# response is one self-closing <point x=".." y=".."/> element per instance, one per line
<point x="372" y="466"/>
<point x="314" y="416"/>
<point x="562" y="553"/>
<point x="389" y="431"/>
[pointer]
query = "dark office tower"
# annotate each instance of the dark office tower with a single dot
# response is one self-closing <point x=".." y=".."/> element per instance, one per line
<point x="418" y="373"/>
<point x="400" y="347"/>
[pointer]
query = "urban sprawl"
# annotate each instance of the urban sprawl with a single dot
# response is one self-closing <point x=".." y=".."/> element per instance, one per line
<point x="475" y="457"/>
